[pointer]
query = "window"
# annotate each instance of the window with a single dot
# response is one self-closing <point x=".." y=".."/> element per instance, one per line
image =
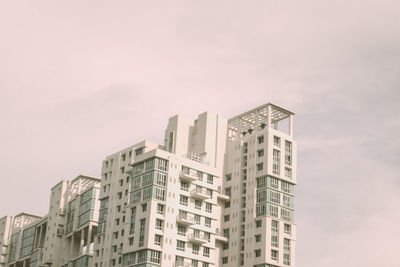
<point x="287" y="201"/>
<point x="274" y="197"/>
<point x="287" y="187"/>
<point x="180" y="245"/>
<point x="257" y="252"/>
<point x="195" y="263"/>
<point x="195" y="249"/>
<point x="206" y="264"/>
<point x="207" y="222"/>
<point x="210" y="179"/>
<point x="261" y="182"/>
<point x="276" y="161"/>
<point x="207" y="236"/>
<point x="260" y="139"/>
<point x="286" y="215"/>
<point x="228" y="177"/>
<point x="131" y="241"/>
<point x="199" y="175"/>
<point x="258" y="224"/>
<point x="206" y="252"/>
<point x="288" y="229"/>
<point x="183" y="200"/>
<point x="257" y="238"/>
<point x="273" y="211"/>
<point x="274" y="241"/>
<point x="160" y="208"/>
<point x="228" y="191"/>
<point x="260" y="166"/>
<point x="141" y="233"/>
<point x="286" y="251"/>
<point x="157" y="240"/>
<point x="260" y="153"/>
<point x="181" y="230"/>
<point x="184" y="186"/>
<point x="227" y="204"/>
<point x="288" y="153"/>
<point x="224" y="260"/>
<point x="274" y="233"/>
<point x="198" y="204"/>
<point x="197" y="218"/>
<point x="159" y="224"/>
<point x="208" y="207"/>
<point x="274" y="182"/>
<point x="288" y="172"/>
<point x="277" y="141"/>
<point x="274" y="255"/>
<point x="123" y="157"/>
<point x="144" y="207"/>
<point x="226" y="218"/>
<point x="139" y="151"/>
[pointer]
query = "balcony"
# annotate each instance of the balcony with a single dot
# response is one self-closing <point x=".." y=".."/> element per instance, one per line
<point x="200" y="193"/>
<point x="60" y="231"/>
<point x="188" y="176"/>
<point x="4" y="250"/>
<point x="222" y="196"/>
<point x="185" y="219"/>
<point x="198" y="239"/>
<point x="182" y="264"/>
<point x="221" y="237"/>
<point x="128" y="170"/>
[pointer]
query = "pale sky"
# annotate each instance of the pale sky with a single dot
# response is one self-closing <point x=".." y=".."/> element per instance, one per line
<point x="80" y="80"/>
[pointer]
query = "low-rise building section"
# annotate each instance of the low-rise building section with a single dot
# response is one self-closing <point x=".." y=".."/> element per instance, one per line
<point x="64" y="237"/>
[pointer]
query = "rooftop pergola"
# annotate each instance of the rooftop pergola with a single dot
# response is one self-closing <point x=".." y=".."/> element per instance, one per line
<point x="265" y="116"/>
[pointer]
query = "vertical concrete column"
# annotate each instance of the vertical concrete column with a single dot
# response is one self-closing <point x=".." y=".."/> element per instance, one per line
<point x="82" y="241"/>
<point x="269" y="120"/>
<point x="71" y="248"/>
<point x="239" y="128"/>
<point x="89" y="238"/>
<point x="291" y="125"/>
<point x="257" y="121"/>
<point x="40" y="235"/>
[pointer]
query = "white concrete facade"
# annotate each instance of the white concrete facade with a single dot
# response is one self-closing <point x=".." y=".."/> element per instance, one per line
<point x="213" y="195"/>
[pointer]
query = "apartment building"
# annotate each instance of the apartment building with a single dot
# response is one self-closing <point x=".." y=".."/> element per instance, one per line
<point x="259" y="175"/>
<point x="218" y="192"/>
<point x="64" y="237"/>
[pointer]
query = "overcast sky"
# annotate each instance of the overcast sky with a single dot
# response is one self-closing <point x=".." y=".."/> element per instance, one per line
<point x="80" y="80"/>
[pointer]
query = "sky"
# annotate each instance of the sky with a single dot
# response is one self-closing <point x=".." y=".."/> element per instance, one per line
<point x="80" y="80"/>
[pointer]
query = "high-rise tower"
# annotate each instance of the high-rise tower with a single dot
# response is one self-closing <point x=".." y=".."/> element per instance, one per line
<point x="217" y="193"/>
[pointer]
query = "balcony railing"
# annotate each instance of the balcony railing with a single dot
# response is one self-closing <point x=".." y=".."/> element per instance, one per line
<point x="188" y="176"/>
<point x="185" y="219"/>
<point x="200" y="193"/>
<point x="200" y="239"/>
<point x="222" y="196"/>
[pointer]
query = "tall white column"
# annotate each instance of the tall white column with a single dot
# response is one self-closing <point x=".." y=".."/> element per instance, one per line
<point x="88" y="239"/>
